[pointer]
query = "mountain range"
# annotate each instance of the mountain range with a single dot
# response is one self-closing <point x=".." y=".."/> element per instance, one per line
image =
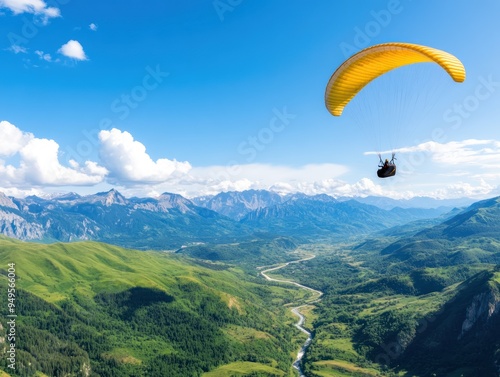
<point x="237" y="204"/>
<point x="323" y="217"/>
<point x="170" y="220"/>
<point x="160" y="223"/>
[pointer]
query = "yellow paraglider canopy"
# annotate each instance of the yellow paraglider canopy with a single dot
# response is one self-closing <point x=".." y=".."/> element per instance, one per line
<point x="357" y="71"/>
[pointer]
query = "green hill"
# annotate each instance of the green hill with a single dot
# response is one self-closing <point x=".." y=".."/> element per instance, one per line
<point x="246" y="254"/>
<point x="479" y="219"/>
<point x="472" y="236"/>
<point x="464" y="336"/>
<point x="381" y="329"/>
<point x="91" y="309"/>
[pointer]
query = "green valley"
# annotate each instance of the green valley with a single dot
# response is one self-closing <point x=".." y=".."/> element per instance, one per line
<point x="92" y="309"/>
<point x="372" y="321"/>
<point x="414" y="300"/>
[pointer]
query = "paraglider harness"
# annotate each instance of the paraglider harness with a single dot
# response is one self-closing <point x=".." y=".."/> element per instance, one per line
<point x="387" y="169"/>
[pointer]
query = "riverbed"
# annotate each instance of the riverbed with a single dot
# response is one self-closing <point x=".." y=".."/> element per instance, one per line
<point x="296" y="310"/>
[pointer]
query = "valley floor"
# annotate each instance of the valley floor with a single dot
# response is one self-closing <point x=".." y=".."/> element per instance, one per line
<point x="372" y="322"/>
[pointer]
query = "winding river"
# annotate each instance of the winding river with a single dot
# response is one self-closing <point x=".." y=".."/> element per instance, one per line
<point x="295" y="310"/>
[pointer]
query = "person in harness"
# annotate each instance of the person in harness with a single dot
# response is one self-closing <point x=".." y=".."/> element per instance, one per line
<point x="387" y="168"/>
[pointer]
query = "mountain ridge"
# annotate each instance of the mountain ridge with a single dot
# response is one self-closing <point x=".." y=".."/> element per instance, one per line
<point x="165" y="222"/>
<point x="171" y="220"/>
<point x="471" y="236"/>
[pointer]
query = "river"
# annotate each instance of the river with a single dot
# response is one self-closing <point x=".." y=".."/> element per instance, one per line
<point x="295" y="310"/>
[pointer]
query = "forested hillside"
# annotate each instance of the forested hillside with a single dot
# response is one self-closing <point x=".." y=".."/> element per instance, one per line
<point x="90" y="309"/>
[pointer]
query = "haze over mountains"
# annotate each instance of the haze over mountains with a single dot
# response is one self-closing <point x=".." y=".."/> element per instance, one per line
<point x="236" y="204"/>
<point x="170" y="220"/>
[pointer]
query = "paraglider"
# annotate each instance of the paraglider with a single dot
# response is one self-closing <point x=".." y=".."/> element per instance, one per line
<point x="369" y="64"/>
<point x="387" y="168"/>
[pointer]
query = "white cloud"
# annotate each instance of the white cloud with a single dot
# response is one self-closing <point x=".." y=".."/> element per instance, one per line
<point x="22" y="193"/>
<point x="484" y="153"/>
<point x="464" y="189"/>
<point x="214" y="179"/>
<point x="36" y="7"/>
<point x="197" y="187"/>
<point x="239" y="185"/>
<point x="479" y="153"/>
<point x="267" y="174"/>
<point x="399" y="190"/>
<point x="326" y="179"/>
<point x="467" y="168"/>
<point x="338" y="188"/>
<point x="127" y="160"/>
<point x="39" y="8"/>
<point x="458" y="169"/>
<point x="43" y="56"/>
<point x="73" y="49"/>
<point x="16" y="49"/>
<point x="364" y="187"/>
<point x="93" y="27"/>
<point x="12" y="139"/>
<point x="39" y="163"/>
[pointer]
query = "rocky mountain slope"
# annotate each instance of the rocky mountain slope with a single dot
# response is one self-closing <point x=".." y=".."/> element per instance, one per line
<point x="165" y="222"/>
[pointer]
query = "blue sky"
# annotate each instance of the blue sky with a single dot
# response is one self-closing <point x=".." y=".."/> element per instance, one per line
<point x="213" y="95"/>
